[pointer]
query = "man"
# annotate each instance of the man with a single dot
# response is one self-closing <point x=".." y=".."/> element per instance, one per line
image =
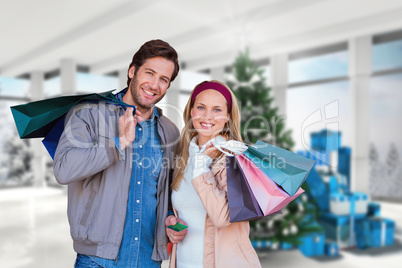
<point x="117" y="165"/>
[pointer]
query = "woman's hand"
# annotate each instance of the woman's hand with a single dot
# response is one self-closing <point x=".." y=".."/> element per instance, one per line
<point x="211" y="151"/>
<point x="174" y="237"/>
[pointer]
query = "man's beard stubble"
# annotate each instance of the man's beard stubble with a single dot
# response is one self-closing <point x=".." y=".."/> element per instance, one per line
<point x="135" y="94"/>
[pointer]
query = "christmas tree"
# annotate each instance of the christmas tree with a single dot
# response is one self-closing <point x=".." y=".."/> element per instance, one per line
<point x="260" y="121"/>
<point x="259" y="118"/>
<point x="373" y="154"/>
<point x="18" y="161"/>
<point x="393" y="164"/>
<point x="392" y="159"/>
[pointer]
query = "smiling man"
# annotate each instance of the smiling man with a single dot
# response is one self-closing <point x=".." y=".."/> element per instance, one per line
<point x="117" y="165"/>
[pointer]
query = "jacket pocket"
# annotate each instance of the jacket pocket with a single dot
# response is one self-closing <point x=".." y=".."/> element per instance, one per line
<point x="88" y="207"/>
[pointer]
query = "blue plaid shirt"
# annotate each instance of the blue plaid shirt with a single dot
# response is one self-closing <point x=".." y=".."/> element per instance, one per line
<point x="139" y="228"/>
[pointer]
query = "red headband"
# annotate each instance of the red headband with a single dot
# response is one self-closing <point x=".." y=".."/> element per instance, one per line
<point x="216" y="86"/>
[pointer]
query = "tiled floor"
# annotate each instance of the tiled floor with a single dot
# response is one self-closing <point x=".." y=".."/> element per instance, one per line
<point x="34" y="232"/>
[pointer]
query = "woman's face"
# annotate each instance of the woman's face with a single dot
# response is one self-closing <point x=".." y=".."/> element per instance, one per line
<point x="209" y="114"/>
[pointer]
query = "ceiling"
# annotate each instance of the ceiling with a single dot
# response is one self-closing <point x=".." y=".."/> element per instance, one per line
<point x="104" y="34"/>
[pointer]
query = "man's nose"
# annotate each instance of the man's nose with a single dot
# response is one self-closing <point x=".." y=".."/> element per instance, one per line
<point x="154" y="83"/>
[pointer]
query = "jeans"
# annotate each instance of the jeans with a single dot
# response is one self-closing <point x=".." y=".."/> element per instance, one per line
<point x="84" y="261"/>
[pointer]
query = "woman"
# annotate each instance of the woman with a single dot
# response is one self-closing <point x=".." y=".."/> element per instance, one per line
<point x="199" y="195"/>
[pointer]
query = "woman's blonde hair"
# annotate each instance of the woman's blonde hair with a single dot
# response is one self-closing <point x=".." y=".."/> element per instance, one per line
<point x="231" y="131"/>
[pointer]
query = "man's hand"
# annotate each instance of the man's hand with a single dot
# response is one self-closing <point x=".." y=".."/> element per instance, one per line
<point x="174" y="237"/>
<point x="127" y="123"/>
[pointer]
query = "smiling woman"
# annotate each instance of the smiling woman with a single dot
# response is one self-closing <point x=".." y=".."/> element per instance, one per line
<point x="200" y="191"/>
<point x="203" y="117"/>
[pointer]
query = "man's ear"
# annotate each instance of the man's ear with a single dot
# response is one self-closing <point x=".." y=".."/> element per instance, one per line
<point x="131" y="72"/>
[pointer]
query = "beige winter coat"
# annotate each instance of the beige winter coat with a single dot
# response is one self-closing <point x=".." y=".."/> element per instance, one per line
<point x="225" y="244"/>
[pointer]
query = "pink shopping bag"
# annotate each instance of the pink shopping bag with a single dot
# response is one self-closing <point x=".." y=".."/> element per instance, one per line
<point x="270" y="197"/>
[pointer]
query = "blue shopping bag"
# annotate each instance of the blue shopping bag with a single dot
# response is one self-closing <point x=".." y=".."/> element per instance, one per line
<point x="287" y="169"/>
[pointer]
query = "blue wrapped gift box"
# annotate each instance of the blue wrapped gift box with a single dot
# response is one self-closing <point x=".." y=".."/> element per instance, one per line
<point x="286" y="246"/>
<point x="331" y="249"/>
<point x="312" y="243"/>
<point x="318" y="190"/>
<point x="346" y="204"/>
<point x="337" y="228"/>
<point x="360" y="203"/>
<point x="261" y="244"/>
<point x="375" y="232"/>
<point x="382" y="232"/>
<point x="344" y="162"/>
<point x="338" y="184"/>
<point x="374" y="209"/>
<point x="309" y="215"/>
<point x="363" y="234"/>
<point x="321" y="159"/>
<point x="339" y="204"/>
<point x="326" y="140"/>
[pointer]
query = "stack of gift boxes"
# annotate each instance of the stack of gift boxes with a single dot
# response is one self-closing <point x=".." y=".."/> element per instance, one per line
<point x="348" y="218"/>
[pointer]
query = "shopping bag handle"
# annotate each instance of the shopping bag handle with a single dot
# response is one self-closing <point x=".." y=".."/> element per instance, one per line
<point x="117" y="102"/>
<point x="236" y="147"/>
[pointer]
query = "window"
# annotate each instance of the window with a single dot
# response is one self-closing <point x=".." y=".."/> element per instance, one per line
<point x="52" y="87"/>
<point x="319" y="67"/>
<point x="387" y="56"/>
<point x="14" y="87"/>
<point x="89" y="82"/>
<point x="386" y="136"/>
<point x="313" y="108"/>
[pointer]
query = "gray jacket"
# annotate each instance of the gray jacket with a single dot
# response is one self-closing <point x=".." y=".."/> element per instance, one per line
<point x="98" y="179"/>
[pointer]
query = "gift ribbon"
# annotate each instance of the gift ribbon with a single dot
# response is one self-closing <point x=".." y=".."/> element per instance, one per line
<point x="383" y="232"/>
<point x="352" y="221"/>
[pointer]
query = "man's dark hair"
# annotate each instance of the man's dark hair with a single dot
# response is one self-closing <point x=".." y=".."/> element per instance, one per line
<point x="154" y="48"/>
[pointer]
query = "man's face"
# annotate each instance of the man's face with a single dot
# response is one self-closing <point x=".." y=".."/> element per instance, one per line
<point x="150" y="83"/>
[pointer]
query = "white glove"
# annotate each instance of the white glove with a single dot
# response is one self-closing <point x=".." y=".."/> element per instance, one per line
<point x="236" y="147"/>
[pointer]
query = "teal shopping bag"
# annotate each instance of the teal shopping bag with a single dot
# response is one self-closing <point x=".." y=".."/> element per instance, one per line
<point x="287" y="169"/>
<point x="36" y="119"/>
<point x="45" y="118"/>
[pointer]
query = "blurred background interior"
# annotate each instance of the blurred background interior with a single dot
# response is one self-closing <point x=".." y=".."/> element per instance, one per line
<point x="331" y="65"/>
